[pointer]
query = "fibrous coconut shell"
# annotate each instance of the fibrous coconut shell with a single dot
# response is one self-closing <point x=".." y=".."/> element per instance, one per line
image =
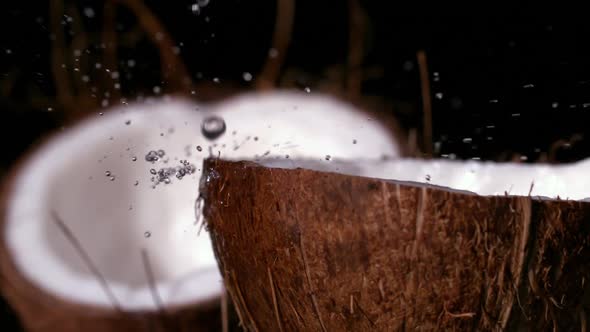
<point x="303" y="250"/>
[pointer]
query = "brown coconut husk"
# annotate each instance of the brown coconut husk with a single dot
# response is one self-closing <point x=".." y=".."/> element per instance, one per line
<point x="315" y="251"/>
<point x="40" y="311"/>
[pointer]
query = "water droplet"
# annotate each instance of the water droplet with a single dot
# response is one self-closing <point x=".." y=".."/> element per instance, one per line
<point x="216" y="80"/>
<point x="147" y="234"/>
<point x="199" y="148"/>
<point x="273" y="53"/>
<point x="354" y="141"/>
<point x="152" y="156"/>
<point x="467" y="140"/>
<point x="256" y="138"/>
<point x="427" y="177"/>
<point x="528" y="86"/>
<point x="554" y="104"/>
<point x="107" y="173"/>
<point x="157" y="89"/>
<point x="438" y="95"/>
<point x="112" y="178"/>
<point x="101" y="113"/>
<point x="153" y="171"/>
<point x="133" y="158"/>
<point x="307" y="89"/>
<point x="493" y="101"/>
<point x="161" y="153"/>
<point x="89" y="12"/>
<point x="287" y="156"/>
<point x="128" y="122"/>
<point x="136" y="183"/>
<point x="328" y="157"/>
<point x="247" y="76"/>
<point x="213" y="127"/>
<point x="211" y="175"/>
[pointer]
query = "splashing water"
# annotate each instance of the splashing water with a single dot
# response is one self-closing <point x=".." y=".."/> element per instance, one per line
<point x="165" y="175"/>
<point x="211" y="175"/>
<point x="152" y="156"/>
<point x="213" y="127"/>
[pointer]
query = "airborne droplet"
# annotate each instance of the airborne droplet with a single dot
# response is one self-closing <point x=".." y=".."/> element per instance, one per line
<point x="152" y="156"/>
<point x="213" y="127"/>
<point x="147" y="234"/>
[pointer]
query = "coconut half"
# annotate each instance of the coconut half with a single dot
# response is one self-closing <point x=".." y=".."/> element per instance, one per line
<point x="402" y="245"/>
<point x="94" y="231"/>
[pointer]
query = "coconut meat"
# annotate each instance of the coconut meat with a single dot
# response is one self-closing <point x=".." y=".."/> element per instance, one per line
<point x="477" y="177"/>
<point x="95" y="178"/>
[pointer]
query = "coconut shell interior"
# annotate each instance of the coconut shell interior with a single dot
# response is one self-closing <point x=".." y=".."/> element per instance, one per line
<point x="39" y="311"/>
<point x="308" y="250"/>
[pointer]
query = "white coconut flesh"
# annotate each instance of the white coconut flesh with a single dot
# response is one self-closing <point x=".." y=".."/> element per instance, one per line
<point x="86" y="177"/>
<point x="566" y="181"/>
